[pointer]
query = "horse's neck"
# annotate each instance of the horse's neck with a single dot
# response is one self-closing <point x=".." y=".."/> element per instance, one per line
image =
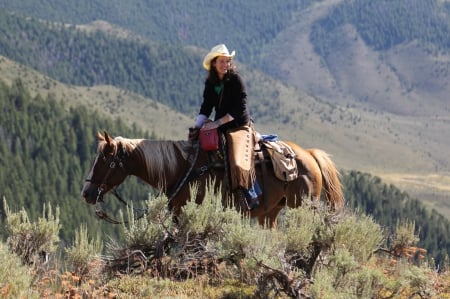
<point x="160" y="163"/>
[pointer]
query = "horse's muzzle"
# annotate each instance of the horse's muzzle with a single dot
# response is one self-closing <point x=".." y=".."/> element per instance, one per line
<point x="89" y="193"/>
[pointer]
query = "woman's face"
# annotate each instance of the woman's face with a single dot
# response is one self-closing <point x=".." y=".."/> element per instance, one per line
<point x="222" y="64"/>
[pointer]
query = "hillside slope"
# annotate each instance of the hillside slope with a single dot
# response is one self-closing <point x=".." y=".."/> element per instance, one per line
<point x="344" y="132"/>
<point x="409" y="82"/>
<point x="408" y="78"/>
<point x="134" y="109"/>
<point x="390" y="55"/>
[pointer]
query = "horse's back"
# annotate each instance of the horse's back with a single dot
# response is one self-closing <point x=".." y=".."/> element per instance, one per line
<point x="306" y="162"/>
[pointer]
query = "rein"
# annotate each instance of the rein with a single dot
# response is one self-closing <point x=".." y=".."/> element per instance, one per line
<point x="118" y="159"/>
<point x="186" y="176"/>
<point x="101" y="214"/>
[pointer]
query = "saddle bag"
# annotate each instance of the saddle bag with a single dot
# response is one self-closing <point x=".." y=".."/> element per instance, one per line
<point x="209" y="139"/>
<point x="283" y="160"/>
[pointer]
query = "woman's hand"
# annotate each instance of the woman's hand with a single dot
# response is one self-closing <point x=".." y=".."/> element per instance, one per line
<point x="211" y="125"/>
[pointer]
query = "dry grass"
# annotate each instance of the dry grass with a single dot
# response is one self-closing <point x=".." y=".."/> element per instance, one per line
<point x="67" y="285"/>
<point x="432" y="189"/>
<point x="393" y="270"/>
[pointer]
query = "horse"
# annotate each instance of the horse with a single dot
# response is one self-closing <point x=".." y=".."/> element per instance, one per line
<point x="172" y="167"/>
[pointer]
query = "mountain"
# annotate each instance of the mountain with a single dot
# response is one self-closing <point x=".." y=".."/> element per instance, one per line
<point x="346" y="76"/>
<point x="370" y="54"/>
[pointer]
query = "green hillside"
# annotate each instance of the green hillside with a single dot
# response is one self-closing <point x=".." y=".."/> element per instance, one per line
<point x="75" y="57"/>
<point x="253" y="26"/>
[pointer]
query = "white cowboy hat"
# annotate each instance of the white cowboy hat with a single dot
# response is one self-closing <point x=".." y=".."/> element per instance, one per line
<point x="219" y="50"/>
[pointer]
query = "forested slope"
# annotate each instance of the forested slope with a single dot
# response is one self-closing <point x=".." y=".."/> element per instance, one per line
<point x="391" y="56"/>
<point x="79" y="58"/>
<point x="243" y="24"/>
<point x="385" y="24"/>
<point x="252" y="27"/>
<point x="45" y="154"/>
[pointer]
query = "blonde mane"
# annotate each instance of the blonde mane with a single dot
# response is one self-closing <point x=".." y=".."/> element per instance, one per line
<point x="161" y="158"/>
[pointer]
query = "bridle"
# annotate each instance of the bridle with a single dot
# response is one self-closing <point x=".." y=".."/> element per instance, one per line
<point x="117" y="161"/>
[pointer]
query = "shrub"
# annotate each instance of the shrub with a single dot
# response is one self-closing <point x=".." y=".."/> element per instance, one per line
<point x="415" y="280"/>
<point x="84" y="253"/>
<point x="304" y="226"/>
<point x="360" y="235"/>
<point x="145" y="231"/>
<point x="404" y="237"/>
<point x="33" y="242"/>
<point x="15" y="279"/>
<point x="367" y="281"/>
<point x="356" y="281"/>
<point x="207" y="218"/>
<point x="348" y="273"/>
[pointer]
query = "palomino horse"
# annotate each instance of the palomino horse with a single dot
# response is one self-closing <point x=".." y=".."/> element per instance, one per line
<point x="172" y="167"/>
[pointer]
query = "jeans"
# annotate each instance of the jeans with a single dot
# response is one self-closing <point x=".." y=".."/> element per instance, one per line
<point x="253" y="192"/>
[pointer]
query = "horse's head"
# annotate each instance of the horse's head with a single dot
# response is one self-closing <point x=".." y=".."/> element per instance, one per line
<point x="108" y="170"/>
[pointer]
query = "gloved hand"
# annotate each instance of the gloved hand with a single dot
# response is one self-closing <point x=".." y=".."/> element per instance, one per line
<point x="193" y="134"/>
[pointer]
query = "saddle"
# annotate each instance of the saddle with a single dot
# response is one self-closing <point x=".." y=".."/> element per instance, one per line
<point x="283" y="159"/>
<point x="268" y="151"/>
<point x="270" y="154"/>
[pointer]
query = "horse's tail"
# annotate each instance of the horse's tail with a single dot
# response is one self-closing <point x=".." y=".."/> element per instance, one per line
<point x="330" y="178"/>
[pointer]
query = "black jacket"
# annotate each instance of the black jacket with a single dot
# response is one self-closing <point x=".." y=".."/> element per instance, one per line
<point x="231" y="99"/>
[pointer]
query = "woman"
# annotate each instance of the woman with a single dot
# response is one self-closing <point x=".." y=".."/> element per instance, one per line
<point x="225" y="93"/>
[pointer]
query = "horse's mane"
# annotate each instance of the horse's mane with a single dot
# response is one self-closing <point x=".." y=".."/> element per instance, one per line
<point x="161" y="157"/>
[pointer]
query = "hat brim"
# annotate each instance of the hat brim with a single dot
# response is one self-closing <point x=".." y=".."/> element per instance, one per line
<point x="211" y="55"/>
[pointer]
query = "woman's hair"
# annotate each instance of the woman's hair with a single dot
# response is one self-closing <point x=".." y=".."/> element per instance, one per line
<point x="213" y="77"/>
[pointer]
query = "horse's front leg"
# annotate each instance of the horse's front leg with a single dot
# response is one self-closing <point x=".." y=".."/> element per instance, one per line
<point x="270" y="219"/>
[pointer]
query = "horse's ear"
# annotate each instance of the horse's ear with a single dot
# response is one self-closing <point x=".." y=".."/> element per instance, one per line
<point x="108" y="138"/>
<point x="100" y="136"/>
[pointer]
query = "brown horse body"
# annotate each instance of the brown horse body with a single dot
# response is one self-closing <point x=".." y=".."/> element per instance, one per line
<point x="172" y="167"/>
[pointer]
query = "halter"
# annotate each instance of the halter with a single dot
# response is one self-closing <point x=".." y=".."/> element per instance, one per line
<point x="119" y="160"/>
